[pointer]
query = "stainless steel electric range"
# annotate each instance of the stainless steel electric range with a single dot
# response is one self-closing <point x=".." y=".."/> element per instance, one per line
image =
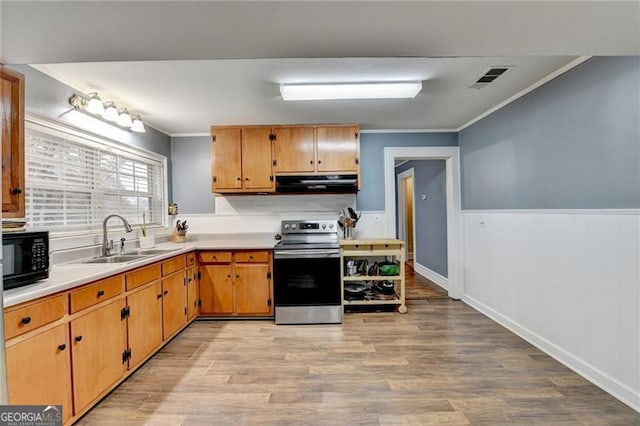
<point x="307" y="273"/>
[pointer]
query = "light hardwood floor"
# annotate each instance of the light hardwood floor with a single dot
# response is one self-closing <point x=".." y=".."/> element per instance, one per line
<point x="442" y="363"/>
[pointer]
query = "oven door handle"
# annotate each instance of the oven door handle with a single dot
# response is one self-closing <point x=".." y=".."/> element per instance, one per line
<point x="305" y="254"/>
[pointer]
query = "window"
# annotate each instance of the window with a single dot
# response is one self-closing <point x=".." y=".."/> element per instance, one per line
<point x="73" y="181"/>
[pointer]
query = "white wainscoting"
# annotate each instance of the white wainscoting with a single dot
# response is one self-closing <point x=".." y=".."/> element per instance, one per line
<point x="567" y="282"/>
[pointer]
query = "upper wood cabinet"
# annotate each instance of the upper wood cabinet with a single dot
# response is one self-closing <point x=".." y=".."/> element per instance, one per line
<point x="12" y="93"/>
<point x="241" y="159"/>
<point x="316" y="149"/>
<point x="294" y="150"/>
<point x="246" y="159"/>
<point x="338" y="149"/>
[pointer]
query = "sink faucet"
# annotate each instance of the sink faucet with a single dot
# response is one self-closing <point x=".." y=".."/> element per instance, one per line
<point x="106" y="246"/>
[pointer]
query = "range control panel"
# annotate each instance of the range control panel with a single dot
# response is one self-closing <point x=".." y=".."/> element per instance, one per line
<point x="309" y="226"/>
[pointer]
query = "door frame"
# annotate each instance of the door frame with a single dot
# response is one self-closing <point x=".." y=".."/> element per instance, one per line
<point x="451" y="155"/>
<point x="402" y="204"/>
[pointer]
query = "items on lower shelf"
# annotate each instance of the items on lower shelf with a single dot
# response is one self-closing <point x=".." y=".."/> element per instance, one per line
<point x="373" y="272"/>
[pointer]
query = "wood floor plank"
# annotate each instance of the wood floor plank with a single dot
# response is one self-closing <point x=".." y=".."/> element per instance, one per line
<point x="441" y="363"/>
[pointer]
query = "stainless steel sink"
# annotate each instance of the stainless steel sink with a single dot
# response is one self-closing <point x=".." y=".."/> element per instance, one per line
<point x="121" y="258"/>
<point x="148" y="252"/>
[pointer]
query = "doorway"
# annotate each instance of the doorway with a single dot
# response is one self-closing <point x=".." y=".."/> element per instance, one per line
<point x="406" y="212"/>
<point x="451" y="155"/>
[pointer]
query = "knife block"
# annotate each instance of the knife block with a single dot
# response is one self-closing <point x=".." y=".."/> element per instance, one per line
<point x="179" y="236"/>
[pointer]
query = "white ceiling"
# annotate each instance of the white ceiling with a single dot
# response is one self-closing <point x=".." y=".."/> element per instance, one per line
<point x="189" y="96"/>
<point x="210" y="72"/>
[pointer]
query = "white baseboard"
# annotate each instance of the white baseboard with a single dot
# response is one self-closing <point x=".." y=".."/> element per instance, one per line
<point x="594" y="375"/>
<point x="431" y="275"/>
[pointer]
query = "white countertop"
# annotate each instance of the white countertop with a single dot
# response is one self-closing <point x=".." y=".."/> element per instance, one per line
<point x="73" y="274"/>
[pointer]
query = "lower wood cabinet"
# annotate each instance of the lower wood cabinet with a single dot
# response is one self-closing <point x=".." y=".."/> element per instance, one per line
<point x="253" y="292"/>
<point x="98" y="342"/>
<point x="236" y="283"/>
<point x="144" y="324"/>
<point x="39" y="370"/>
<point x="192" y="293"/>
<point x="216" y="289"/>
<point x="174" y="304"/>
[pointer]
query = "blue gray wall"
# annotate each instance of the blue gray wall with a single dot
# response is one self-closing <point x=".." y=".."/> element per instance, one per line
<point x="431" y="214"/>
<point x="572" y="143"/>
<point x="49" y="97"/>
<point x="191" y="167"/>
<point x="372" y="145"/>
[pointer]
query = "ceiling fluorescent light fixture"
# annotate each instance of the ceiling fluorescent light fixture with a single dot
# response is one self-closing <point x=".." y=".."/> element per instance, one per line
<point x="332" y="91"/>
<point x="108" y="112"/>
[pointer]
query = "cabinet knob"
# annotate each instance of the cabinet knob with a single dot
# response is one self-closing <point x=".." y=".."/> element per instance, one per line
<point x="251" y="257"/>
<point x="246" y="178"/>
<point x="62" y="347"/>
<point x="166" y="292"/>
<point x="16" y="191"/>
<point x="100" y="293"/>
<point x="228" y="276"/>
<point x="311" y="162"/>
<point x="239" y="178"/>
<point x="25" y="320"/>
<point x="237" y="276"/>
<point x="78" y="338"/>
<point x="159" y="296"/>
<point x="319" y="162"/>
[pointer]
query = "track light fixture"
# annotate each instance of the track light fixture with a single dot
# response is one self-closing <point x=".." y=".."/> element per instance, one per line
<point x="92" y="105"/>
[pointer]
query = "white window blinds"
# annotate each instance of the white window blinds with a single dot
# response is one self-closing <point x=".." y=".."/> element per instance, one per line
<point x="73" y="183"/>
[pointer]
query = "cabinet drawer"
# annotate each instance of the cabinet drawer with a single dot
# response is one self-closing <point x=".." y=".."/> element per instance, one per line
<point x="142" y="276"/>
<point x="95" y="293"/>
<point x="20" y="320"/>
<point x="214" y="256"/>
<point x="393" y="246"/>
<point x="173" y="265"/>
<point x="252" y="256"/>
<point x="191" y="259"/>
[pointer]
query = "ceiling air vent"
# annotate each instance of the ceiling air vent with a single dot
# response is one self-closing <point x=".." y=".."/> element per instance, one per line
<point x="489" y="76"/>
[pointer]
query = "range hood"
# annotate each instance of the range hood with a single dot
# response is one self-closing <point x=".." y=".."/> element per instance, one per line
<point x="316" y="184"/>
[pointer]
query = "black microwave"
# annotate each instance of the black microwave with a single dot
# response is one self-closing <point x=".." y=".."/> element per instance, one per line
<point x="25" y="258"/>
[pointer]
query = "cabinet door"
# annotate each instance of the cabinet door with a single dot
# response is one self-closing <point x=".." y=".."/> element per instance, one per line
<point x="174" y="304"/>
<point x="337" y="149"/>
<point x="98" y="340"/>
<point x="192" y="293"/>
<point x="253" y="289"/>
<point x="216" y="289"/>
<point x="293" y="150"/>
<point x="12" y="101"/>
<point x="144" y="322"/>
<point x="226" y="155"/>
<point x="257" y="173"/>
<point x="39" y="371"/>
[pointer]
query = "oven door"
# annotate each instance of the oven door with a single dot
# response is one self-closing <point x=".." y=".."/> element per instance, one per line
<point x="306" y="277"/>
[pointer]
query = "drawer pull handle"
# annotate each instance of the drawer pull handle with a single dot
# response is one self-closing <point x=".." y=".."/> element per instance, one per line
<point x="100" y="293"/>
<point x="25" y="320"/>
<point x="228" y="276"/>
<point x="16" y="191"/>
<point x="78" y="338"/>
<point x="159" y="296"/>
<point x="62" y="347"/>
<point x="250" y="257"/>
